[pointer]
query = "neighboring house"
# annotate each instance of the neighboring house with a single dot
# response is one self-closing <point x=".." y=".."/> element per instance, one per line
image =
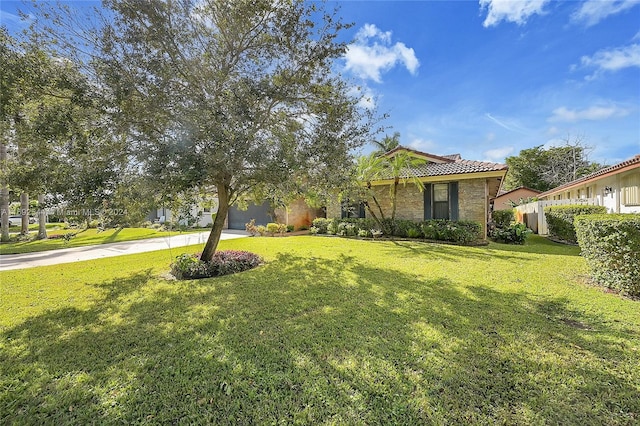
<point x="454" y="189"/>
<point x="616" y="187"/>
<point x="297" y="214"/>
<point x="506" y="200"/>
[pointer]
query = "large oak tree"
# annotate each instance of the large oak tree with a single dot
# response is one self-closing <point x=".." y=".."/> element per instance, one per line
<point x="234" y="95"/>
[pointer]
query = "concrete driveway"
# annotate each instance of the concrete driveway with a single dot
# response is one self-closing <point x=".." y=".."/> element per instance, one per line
<point x="78" y="254"/>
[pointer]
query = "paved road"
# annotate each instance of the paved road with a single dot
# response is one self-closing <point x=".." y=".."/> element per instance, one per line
<point x="77" y="254"/>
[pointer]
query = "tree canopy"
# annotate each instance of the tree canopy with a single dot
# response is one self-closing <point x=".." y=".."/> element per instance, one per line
<point x="546" y="168"/>
<point x="237" y="96"/>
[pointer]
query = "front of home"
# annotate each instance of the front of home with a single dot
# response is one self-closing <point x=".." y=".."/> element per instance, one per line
<point x="616" y="187"/>
<point x="454" y="189"/>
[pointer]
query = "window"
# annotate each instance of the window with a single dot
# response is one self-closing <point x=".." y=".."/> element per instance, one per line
<point x="441" y="201"/>
<point x="631" y="190"/>
<point x="353" y="210"/>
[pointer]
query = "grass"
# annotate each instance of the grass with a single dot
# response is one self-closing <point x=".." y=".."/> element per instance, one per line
<point x="328" y="331"/>
<point x="85" y="237"/>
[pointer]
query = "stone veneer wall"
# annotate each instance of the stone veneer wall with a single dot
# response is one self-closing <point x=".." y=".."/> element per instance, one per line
<point x="472" y="202"/>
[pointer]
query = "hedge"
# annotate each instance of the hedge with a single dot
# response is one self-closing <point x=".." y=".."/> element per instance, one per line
<point x="611" y="246"/>
<point x="560" y="219"/>
<point x="460" y="231"/>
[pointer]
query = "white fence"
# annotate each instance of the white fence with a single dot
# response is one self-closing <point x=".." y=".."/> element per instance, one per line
<point x="532" y="214"/>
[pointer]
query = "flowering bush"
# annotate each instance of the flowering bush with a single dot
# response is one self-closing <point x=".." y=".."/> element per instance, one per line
<point x="190" y="266"/>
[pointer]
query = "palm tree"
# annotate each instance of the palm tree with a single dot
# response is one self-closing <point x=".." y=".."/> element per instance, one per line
<point x="368" y="169"/>
<point x="401" y="166"/>
<point x="387" y="144"/>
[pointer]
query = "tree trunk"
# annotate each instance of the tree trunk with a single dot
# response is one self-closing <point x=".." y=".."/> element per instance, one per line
<point x="218" y="223"/>
<point x="4" y="198"/>
<point x="394" y="192"/>
<point x="42" y="218"/>
<point x="24" y="212"/>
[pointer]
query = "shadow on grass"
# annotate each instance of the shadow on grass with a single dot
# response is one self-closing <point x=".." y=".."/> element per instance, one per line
<point x="111" y="238"/>
<point x="314" y="340"/>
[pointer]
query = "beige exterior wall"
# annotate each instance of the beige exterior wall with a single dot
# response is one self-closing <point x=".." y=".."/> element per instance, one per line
<point x="473" y="201"/>
<point x="502" y="202"/>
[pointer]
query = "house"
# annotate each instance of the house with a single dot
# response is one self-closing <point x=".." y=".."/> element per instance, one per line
<point x="454" y="189"/>
<point x="297" y="214"/>
<point x="505" y="200"/>
<point x="616" y="187"/>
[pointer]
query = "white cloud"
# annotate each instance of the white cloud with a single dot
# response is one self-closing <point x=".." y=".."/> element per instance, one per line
<point x="613" y="59"/>
<point x="498" y="154"/>
<point x="423" y="145"/>
<point x="506" y="124"/>
<point x="511" y="11"/>
<point x="594" y="113"/>
<point x="372" y="54"/>
<point x="367" y="98"/>
<point x="593" y="11"/>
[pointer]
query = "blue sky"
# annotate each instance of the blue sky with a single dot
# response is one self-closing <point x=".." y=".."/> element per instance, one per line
<point x="488" y="78"/>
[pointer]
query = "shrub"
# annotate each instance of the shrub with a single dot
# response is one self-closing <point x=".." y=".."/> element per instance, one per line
<point x="502" y="218"/>
<point x="321" y="224"/>
<point x="414" y="232"/>
<point x="516" y="233"/>
<point x="94" y="224"/>
<point x="272" y="228"/>
<point x="610" y="245"/>
<point x="560" y="219"/>
<point x="146" y="224"/>
<point x="251" y="227"/>
<point x="332" y="227"/>
<point x="364" y="233"/>
<point x="461" y="231"/>
<point x="290" y="228"/>
<point x="262" y="230"/>
<point x="189" y="266"/>
<point x="303" y="228"/>
<point x="314" y="231"/>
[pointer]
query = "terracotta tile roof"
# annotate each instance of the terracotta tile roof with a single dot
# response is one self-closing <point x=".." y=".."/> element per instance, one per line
<point x="454" y="166"/>
<point x="501" y="193"/>
<point x="593" y="176"/>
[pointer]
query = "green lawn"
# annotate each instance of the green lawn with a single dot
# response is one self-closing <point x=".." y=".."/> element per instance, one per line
<point x="328" y="331"/>
<point x="86" y="237"/>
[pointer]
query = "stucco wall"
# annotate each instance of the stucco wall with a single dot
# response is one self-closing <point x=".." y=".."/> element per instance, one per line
<point x="299" y="214"/>
<point x="502" y="202"/>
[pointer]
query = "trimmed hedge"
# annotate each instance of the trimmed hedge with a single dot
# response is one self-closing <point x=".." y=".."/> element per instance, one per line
<point x="560" y="219"/>
<point x="610" y="243"/>
<point x="462" y="232"/>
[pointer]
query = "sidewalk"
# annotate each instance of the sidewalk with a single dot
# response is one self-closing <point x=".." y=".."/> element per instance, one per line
<point x="77" y="254"/>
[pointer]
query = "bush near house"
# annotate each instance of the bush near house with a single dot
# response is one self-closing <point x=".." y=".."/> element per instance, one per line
<point x="502" y="218"/>
<point x="505" y="230"/>
<point x="560" y="219"/>
<point x="461" y="232"/>
<point x="610" y="243"/>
